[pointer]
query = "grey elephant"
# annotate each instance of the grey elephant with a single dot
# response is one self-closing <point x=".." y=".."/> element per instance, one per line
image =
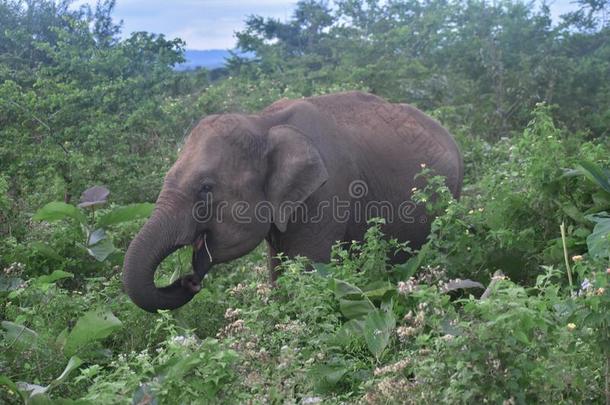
<point x="301" y="175"/>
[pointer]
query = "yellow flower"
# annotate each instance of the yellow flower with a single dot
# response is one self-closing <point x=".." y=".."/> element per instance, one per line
<point x="576" y="258"/>
<point x="571" y="327"/>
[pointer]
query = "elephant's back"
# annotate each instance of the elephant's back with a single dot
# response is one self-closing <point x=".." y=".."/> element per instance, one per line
<point x="382" y="142"/>
<point x="394" y="140"/>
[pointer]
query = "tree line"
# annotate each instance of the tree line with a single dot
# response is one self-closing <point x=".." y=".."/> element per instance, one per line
<point x="81" y="106"/>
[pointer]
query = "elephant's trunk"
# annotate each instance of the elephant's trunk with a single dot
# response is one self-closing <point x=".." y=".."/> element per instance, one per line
<point x="155" y="241"/>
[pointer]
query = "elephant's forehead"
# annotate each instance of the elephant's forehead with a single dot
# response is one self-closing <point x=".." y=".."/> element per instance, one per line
<point x="202" y="153"/>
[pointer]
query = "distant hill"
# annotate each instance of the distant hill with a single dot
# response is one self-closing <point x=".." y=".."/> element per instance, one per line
<point x="209" y="59"/>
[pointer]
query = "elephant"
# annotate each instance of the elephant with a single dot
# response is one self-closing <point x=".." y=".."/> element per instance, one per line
<point x="301" y="175"/>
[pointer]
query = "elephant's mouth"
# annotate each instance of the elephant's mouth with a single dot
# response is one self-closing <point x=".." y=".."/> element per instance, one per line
<point x="201" y="262"/>
<point x="202" y="258"/>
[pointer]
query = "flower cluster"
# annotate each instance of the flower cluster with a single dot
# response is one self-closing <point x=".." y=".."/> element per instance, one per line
<point x="392" y="368"/>
<point x="263" y="291"/>
<point x="431" y="275"/>
<point x="292" y="327"/>
<point x="407" y="287"/>
<point x="14" y="269"/>
<point x="237" y="290"/>
<point x="415" y="323"/>
<point x="261" y="270"/>
<point x="235" y="327"/>
<point x="588" y="289"/>
<point x="232" y="314"/>
<point x="389" y="390"/>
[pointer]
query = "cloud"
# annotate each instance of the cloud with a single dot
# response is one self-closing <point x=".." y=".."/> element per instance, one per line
<point x="211" y="24"/>
<point x="203" y="24"/>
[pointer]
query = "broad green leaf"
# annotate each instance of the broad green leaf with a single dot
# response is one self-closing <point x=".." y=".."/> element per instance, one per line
<point x="380" y="291"/>
<point x="343" y="288"/>
<point x="333" y="375"/>
<point x="596" y="174"/>
<point x="73" y="364"/>
<point x="328" y="375"/>
<point x="92" y="326"/>
<point x="46" y="250"/>
<point x="60" y="340"/>
<point x="352" y="309"/>
<point x="96" y="236"/>
<point x="126" y="213"/>
<point x="55" y="211"/>
<point x="598" y="243"/>
<point x="350" y="330"/>
<point x="101" y="250"/>
<point x="19" y="333"/>
<point x="378" y="328"/>
<point x="46" y="280"/>
<point x="410" y="267"/>
<point x="355" y="326"/>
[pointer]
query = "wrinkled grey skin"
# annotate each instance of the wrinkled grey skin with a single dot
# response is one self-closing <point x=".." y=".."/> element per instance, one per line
<point x="307" y="150"/>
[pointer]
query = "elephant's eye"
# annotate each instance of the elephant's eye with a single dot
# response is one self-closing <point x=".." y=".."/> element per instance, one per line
<point x="205" y="190"/>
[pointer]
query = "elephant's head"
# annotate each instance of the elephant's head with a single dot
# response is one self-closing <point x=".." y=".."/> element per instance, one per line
<point x="232" y="170"/>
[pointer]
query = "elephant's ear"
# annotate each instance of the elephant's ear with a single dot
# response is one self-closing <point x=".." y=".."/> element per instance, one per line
<point x="296" y="170"/>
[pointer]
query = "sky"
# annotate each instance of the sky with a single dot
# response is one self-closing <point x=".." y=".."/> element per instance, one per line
<point x="211" y="24"/>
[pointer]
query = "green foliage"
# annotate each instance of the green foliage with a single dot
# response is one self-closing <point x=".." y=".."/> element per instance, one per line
<point x="80" y="106"/>
<point x="180" y="369"/>
<point x="489" y="63"/>
<point x="96" y="241"/>
<point x="508" y="218"/>
<point x="483" y="312"/>
<point x="92" y="326"/>
<point x="378" y="329"/>
<point x="55" y="211"/>
<point x="598" y="242"/>
<point x="34" y="394"/>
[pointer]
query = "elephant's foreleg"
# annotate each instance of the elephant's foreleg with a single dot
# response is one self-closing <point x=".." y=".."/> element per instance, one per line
<point x="272" y="263"/>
